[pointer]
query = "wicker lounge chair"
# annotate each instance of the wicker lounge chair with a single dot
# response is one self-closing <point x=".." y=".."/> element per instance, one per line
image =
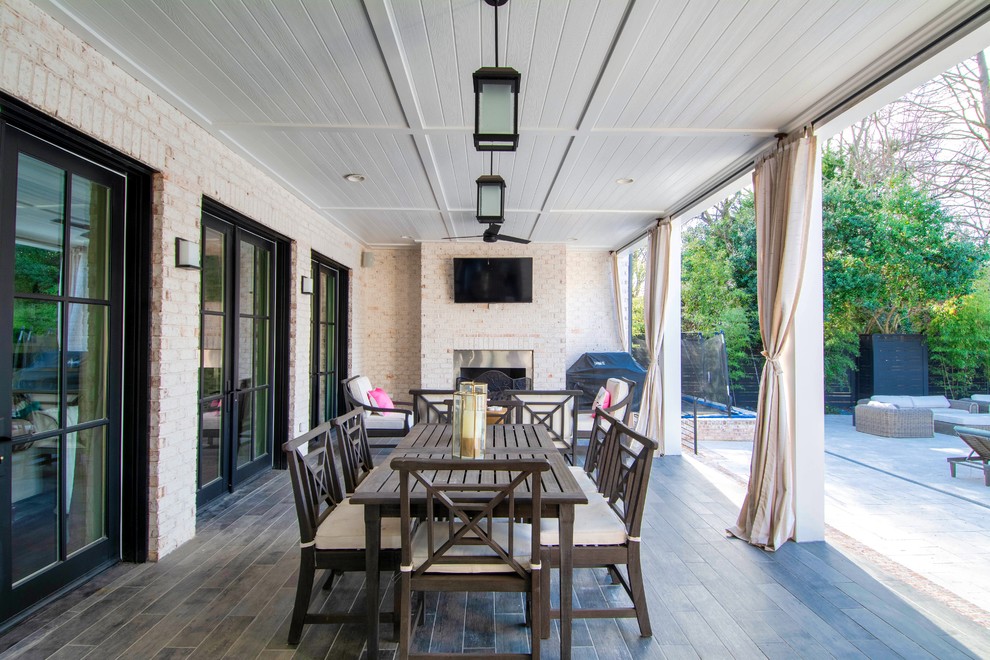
<point x="979" y="441"/>
<point x="895" y="422"/>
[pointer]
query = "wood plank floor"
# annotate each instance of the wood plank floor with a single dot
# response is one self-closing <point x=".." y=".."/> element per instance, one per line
<point x="228" y="593"/>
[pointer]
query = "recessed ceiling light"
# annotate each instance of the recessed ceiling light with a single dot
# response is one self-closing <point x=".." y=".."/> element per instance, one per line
<point x="408" y="238"/>
<point x="355" y="178"/>
<point x="623" y="182"/>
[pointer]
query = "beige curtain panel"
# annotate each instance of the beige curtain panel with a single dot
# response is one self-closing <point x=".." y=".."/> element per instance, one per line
<point x="784" y="184"/>
<point x="650" y="421"/>
<point x="617" y="291"/>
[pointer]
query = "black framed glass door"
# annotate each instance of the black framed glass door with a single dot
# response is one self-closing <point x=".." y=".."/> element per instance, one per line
<point x="329" y="352"/>
<point x="236" y="357"/>
<point x="61" y="312"/>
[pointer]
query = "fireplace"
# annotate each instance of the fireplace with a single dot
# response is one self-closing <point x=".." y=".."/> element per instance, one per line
<point x="502" y="370"/>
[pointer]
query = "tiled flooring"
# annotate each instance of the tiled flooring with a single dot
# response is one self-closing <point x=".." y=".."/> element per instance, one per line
<point x="228" y="593"/>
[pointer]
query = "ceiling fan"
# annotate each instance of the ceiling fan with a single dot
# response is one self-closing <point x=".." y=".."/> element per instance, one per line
<point x="491" y="235"/>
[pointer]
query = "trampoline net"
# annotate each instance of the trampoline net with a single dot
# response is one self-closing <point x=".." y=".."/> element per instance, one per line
<point x="705" y="369"/>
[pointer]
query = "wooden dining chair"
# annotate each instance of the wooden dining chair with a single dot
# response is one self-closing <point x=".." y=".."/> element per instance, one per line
<point x="554" y="409"/>
<point x="587" y="475"/>
<point x="607" y="529"/>
<point x="431" y="406"/>
<point x="331" y="529"/>
<point x="472" y="540"/>
<point x="355" y="452"/>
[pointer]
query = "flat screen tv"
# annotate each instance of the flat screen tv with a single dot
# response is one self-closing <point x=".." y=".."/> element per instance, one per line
<point x="504" y="280"/>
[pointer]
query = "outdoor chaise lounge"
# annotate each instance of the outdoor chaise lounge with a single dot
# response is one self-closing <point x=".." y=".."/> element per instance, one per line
<point x="979" y="441"/>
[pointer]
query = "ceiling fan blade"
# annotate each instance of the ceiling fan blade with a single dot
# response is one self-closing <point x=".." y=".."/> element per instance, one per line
<point x="512" y="239"/>
<point x="459" y="238"/>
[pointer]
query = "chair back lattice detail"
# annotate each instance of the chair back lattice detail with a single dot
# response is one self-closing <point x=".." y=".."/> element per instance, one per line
<point x="472" y="512"/>
<point x="315" y="482"/>
<point x="355" y="452"/>
<point x="554" y="409"/>
<point x="624" y="466"/>
<point x="432" y="406"/>
<point x="602" y="429"/>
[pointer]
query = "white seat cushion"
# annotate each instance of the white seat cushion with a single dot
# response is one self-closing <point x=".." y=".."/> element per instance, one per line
<point x="359" y="388"/>
<point x="392" y="420"/>
<point x="952" y="416"/>
<point x="343" y="529"/>
<point x="595" y="523"/>
<point x="937" y="401"/>
<point x="899" y="401"/>
<point x="619" y="390"/>
<point x="587" y="485"/>
<point x="981" y="397"/>
<point x="500" y="532"/>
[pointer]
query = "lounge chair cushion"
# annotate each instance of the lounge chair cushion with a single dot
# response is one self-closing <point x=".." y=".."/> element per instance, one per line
<point x="899" y="401"/>
<point x="930" y="402"/>
<point x="962" y="417"/>
<point x="619" y="390"/>
<point x="360" y="387"/>
<point x="981" y="397"/>
<point x="343" y="529"/>
<point x="394" y="420"/>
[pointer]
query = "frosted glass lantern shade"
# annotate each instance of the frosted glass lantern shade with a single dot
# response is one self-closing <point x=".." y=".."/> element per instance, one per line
<point x="491" y="199"/>
<point x="496" y="109"/>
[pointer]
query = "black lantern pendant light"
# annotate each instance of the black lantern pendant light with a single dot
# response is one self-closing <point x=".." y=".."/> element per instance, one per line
<point x="491" y="197"/>
<point x="496" y="102"/>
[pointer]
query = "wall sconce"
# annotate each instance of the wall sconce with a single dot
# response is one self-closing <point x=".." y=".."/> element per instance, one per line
<point x="307" y="286"/>
<point x="496" y="102"/>
<point x="186" y="254"/>
<point x="491" y="198"/>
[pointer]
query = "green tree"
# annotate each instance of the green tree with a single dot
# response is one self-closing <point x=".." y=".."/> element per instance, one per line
<point x="891" y="258"/>
<point x="959" y="339"/>
<point x="712" y="269"/>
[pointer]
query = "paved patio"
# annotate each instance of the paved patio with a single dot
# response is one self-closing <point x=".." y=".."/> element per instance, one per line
<point x="893" y="500"/>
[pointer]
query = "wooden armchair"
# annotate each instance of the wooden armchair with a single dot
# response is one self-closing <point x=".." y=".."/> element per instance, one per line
<point x="607" y="530"/>
<point x="479" y="545"/>
<point x="554" y="409"/>
<point x="331" y="529"/>
<point x="431" y="406"/>
<point x="378" y="422"/>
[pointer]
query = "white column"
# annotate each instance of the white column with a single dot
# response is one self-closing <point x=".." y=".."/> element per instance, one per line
<point x="807" y="392"/>
<point x="672" y="349"/>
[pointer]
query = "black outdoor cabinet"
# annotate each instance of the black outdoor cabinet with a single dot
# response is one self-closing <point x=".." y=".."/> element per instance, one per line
<point x="892" y="364"/>
<point x="590" y="371"/>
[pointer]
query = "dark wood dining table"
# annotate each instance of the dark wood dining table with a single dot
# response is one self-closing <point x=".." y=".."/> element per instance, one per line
<point x="379" y="494"/>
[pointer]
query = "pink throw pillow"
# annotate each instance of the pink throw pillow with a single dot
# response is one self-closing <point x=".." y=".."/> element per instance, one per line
<point x="380" y="399"/>
<point x="603" y="400"/>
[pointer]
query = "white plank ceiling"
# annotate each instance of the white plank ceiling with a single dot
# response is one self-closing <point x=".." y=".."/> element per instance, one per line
<point x="675" y="94"/>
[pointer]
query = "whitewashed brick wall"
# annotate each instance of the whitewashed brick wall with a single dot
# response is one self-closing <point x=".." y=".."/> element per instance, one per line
<point x="591" y="324"/>
<point x="538" y="326"/>
<point x="46" y="66"/>
<point x="390" y="321"/>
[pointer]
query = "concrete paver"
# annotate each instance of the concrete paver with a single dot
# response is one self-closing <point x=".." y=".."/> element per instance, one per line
<point x="895" y="497"/>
